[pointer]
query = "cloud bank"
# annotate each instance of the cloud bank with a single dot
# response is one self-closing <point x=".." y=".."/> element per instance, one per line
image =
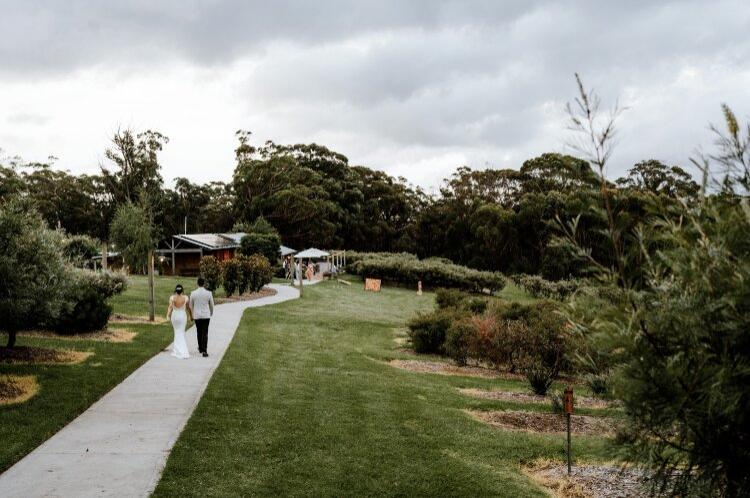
<point x="413" y="88"/>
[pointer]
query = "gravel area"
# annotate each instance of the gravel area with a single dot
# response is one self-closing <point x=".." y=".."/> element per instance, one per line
<point x="544" y="422"/>
<point x="521" y="397"/>
<point x="590" y="481"/>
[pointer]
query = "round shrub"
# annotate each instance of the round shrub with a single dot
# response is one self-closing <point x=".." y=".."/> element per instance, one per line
<point x="258" y="272"/>
<point x="459" y="337"/>
<point x="210" y="270"/>
<point x="231" y="275"/>
<point x="85" y="308"/>
<point x="428" y="331"/>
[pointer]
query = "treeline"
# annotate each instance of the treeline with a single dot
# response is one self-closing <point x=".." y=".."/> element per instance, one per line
<point x="497" y="219"/>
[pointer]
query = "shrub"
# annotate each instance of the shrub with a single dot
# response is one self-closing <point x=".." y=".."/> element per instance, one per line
<point x="428" y="331"/>
<point x="498" y="342"/>
<point x="257" y="271"/>
<point x="540" y="377"/>
<point x="538" y="287"/>
<point x="476" y="305"/>
<point x="459" y="337"/>
<point x="210" y="269"/>
<point x="598" y="383"/>
<point x="32" y="269"/>
<point x="449" y="298"/>
<point x="231" y="275"/>
<point x="79" y="249"/>
<point x="107" y="283"/>
<point x="85" y="308"/>
<point x="407" y="269"/>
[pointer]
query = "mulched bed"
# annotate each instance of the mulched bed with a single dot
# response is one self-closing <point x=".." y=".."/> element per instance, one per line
<point x="17" y="388"/>
<point x="109" y="335"/>
<point x="590" y="481"/>
<point x="521" y="397"/>
<point x="264" y="292"/>
<point x="35" y="355"/>
<point x="544" y="422"/>
<point x="117" y="318"/>
<point x="436" y="367"/>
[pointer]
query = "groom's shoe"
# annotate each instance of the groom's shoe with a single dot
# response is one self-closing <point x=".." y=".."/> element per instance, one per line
<point x="205" y="355"/>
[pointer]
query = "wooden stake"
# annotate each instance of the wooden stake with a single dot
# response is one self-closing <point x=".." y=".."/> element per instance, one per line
<point x="151" y="304"/>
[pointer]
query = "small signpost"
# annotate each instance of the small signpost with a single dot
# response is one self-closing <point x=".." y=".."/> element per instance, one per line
<point x="568" y="412"/>
<point x="372" y="284"/>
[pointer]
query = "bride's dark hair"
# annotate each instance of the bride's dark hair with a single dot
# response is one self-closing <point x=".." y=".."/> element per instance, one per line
<point x="178" y="289"/>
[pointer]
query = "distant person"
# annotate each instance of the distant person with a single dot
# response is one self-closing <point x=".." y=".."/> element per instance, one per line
<point x="310" y="273"/>
<point x="179" y="314"/>
<point x="202" y="306"/>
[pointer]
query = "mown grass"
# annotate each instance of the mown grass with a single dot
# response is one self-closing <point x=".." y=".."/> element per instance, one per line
<point x="305" y="404"/>
<point x="134" y="302"/>
<point x="68" y="390"/>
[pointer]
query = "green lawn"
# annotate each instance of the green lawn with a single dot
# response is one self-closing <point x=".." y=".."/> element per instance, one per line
<point x="135" y="300"/>
<point x="304" y="405"/>
<point x="68" y="390"/>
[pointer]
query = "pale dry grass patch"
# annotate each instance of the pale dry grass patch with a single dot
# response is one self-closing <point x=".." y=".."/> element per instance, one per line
<point x="16" y="389"/>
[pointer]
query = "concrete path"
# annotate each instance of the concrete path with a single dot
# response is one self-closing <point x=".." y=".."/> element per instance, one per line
<point x="119" y="446"/>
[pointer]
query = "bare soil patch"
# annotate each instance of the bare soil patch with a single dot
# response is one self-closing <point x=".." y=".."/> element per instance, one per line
<point x="589" y="481"/>
<point x="41" y="356"/>
<point x="436" y="367"/>
<point x="109" y="335"/>
<point x="544" y="422"/>
<point x="521" y="397"/>
<point x="264" y="292"/>
<point x="118" y="318"/>
<point x="17" y="388"/>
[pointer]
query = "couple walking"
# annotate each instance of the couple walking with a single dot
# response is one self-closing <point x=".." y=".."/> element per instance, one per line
<point x="199" y="307"/>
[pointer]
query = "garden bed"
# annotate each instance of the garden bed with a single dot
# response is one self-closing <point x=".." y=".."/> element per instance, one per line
<point x="41" y="356"/>
<point x="440" y="368"/>
<point x="521" y="397"/>
<point x="544" y="422"/>
<point x="139" y="320"/>
<point x="589" y="481"/>
<point x="17" y="388"/>
<point x="264" y="292"/>
<point x="108" y="335"/>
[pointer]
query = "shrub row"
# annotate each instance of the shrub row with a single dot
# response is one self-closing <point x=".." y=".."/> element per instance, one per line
<point x="246" y="273"/>
<point x="538" y="287"/>
<point x="532" y="339"/>
<point x="407" y="269"/>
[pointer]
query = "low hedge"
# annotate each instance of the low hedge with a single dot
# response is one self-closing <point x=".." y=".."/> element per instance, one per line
<point x="541" y="288"/>
<point x="407" y="269"/>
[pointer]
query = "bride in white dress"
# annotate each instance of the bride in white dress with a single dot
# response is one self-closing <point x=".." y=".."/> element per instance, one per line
<point x="178" y="313"/>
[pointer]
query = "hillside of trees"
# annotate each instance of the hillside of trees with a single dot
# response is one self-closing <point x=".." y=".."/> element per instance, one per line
<point x="494" y="219"/>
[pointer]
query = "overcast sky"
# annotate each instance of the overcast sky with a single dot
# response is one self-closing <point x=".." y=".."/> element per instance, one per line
<point x="415" y="88"/>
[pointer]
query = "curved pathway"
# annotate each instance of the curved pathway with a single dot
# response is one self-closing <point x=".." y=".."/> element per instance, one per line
<point x="119" y="446"/>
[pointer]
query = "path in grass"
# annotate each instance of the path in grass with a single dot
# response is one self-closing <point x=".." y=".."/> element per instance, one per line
<point x="306" y="404"/>
<point x="119" y="445"/>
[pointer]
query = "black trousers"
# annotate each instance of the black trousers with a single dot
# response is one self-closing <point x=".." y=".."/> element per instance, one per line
<point x="201" y="326"/>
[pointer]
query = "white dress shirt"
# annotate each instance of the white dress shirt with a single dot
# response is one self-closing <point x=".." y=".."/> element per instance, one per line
<point x="201" y="303"/>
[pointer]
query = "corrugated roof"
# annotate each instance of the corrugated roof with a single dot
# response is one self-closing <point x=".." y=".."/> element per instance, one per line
<point x="209" y="240"/>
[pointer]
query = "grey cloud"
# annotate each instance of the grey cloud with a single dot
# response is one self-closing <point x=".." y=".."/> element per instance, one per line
<point x="475" y="78"/>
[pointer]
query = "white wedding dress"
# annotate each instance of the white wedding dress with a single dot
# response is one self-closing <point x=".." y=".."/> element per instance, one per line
<point x="179" y="321"/>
